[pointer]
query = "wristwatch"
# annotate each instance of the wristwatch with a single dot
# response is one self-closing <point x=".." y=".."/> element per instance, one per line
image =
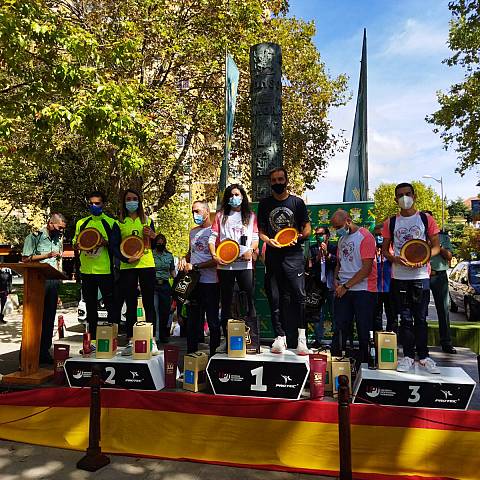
<point x="345" y="286"/>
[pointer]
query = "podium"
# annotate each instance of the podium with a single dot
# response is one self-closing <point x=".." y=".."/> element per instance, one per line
<point x="34" y="276"/>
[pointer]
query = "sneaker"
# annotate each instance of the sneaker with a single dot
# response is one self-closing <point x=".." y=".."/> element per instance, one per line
<point x="405" y="364"/>
<point x="429" y="365"/>
<point x="222" y="348"/>
<point x="155" y="350"/>
<point x="302" y="348"/>
<point x="128" y="350"/>
<point x="279" y="345"/>
<point x="93" y="349"/>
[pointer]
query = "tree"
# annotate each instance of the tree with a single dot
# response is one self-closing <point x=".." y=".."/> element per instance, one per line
<point x="469" y="246"/>
<point x="456" y="208"/>
<point x="426" y="199"/>
<point x="458" y="119"/>
<point x="105" y="94"/>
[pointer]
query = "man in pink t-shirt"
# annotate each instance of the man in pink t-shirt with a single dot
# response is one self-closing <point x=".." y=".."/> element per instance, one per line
<point x="410" y="283"/>
<point x="355" y="283"/>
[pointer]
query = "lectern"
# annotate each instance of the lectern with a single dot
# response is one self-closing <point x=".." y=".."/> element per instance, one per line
<point x="34" y="276"/>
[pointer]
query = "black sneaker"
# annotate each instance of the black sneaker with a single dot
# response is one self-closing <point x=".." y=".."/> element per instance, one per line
<point x="449" y="349"/>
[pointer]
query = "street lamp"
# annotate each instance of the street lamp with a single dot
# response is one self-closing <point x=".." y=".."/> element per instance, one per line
<point x="440" y="181"/>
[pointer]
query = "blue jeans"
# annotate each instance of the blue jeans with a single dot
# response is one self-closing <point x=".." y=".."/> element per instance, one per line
<point x="361" y="306"/>
<point x="412" y="298"/>
<point x="320" y="325"/>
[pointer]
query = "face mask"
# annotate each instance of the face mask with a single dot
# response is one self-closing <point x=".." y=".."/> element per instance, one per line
<point x="132" y="206"/>
<point x="379" y="239"/>
<point x="279" y="188"/>
<point x="341" y="232"/>
<point x="320" y="238"/>
<point x="405" y="202"/>
<point x="235" y="201"/>
<point x="197" y="218"/>
<point x="56" y="233"/>
<point x="95" y="210"/>
<point x="161" y="247"/>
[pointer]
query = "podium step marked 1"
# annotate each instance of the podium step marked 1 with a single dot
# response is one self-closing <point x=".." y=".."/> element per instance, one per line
<point x="266" y="375"/>
<point x="118" y="372"/>
<point x="451" y="389"/>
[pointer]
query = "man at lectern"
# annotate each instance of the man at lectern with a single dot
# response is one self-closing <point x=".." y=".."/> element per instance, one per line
<point x="46" y="246"/>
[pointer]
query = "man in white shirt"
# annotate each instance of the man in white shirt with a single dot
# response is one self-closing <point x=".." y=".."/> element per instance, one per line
<point x="410" y="283"/>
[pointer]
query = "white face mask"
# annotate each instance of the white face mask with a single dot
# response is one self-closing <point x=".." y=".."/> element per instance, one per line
<point x="405" y="202"/>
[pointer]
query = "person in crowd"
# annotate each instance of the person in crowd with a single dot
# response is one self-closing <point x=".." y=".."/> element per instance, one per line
<point x="410" y="282"/>
<point x="46" y="246"/>
<point x="236" y="221"/>
<point x="205" y="297"/>
<point x="285" y="266"/>
<point x="384" y="297"/>
<point x="439" y="265"/>
<point x="355" y="283"/>
<point x="5" y="289"/>
<point x="322" y="262"/>
<point x="139" y="269"/>
<point x="96" y="265"/>
<point x="164" y="270"/>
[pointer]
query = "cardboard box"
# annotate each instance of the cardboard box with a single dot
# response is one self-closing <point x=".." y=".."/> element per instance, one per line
<point x="195" y="371"/>
<point x="107" y="334"/>
<point x="341" y="366"/>
<point x="142" y="341"/>
<point x="386" y="343"/>
<point x="236" y="339"/>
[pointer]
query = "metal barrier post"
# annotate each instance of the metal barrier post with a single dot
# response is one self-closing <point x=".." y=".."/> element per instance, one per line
<point x="94" y="459"/>
<point x="344" y="441"/>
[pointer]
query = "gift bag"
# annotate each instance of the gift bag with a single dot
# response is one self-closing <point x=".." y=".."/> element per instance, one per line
<point x="184" y="285"/>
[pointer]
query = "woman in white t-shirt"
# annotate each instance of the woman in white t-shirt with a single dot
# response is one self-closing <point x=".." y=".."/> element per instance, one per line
<point x="236" y="221"/>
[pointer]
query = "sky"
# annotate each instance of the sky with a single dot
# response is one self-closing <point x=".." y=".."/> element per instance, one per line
<point x="406" y="43"/>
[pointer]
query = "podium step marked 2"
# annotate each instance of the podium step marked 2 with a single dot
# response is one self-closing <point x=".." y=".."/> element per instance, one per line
<point x="451" y="389"/>
<point x="118" y="372"/>
<point x="266" y="375"/>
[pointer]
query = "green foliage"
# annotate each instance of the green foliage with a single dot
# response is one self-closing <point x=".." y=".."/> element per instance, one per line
<point x="426" y="199"/>
<point x="456" y="208"/>
<point x="92" y="98"/>
<point x="458" y="119"/>
<point x="13" y="232"/>
<point x="174" y="221"/>
<point x="469" y="246"/>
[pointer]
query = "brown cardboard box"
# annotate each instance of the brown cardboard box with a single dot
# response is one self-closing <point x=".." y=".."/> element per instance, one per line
<point x="341" y="366"/>
<point x="195" y="371"/>
<point x="328" y="373"/>
<point x="386" y="343"/>
<point x="107" y="334"/>
<point x="236" y="339"/>
<point x="142" y="341"/>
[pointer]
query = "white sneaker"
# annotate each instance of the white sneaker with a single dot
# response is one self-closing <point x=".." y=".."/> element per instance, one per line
<point x="155" y="350"/>
<point x="405" y="364"/>
<point x="429" y="365"/>
<point x="222" y="348"/>
<point x="127" y="351"/>
<point x="302" y="348"/>
<point x="279" y="345"/>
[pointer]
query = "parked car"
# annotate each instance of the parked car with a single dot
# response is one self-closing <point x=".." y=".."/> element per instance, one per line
<point x="464" y="289"/>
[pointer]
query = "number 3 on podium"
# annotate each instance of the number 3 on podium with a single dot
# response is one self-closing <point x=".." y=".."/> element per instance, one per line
<point x="258" y="386"/>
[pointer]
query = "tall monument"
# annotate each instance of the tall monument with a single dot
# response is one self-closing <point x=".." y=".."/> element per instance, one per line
<point x="266" y="105"/>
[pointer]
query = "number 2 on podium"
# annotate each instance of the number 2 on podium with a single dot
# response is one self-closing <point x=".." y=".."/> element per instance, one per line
<point x="258" y="386"/>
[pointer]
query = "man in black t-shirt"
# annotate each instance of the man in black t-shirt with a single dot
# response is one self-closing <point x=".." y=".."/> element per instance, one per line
<point x="285" y="266"/>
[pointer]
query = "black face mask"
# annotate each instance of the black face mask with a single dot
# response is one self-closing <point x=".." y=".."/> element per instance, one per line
<point x="161" y="247"/>
<point x="279" y="188"/>
<point x="57" y="234"/>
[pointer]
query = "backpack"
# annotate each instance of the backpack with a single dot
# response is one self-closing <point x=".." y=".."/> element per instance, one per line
<point x="393" y="221"/>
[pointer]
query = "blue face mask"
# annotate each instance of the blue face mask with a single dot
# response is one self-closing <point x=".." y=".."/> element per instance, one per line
<point x="197" y="218"/>
<point x="235" y="201"/>
<point x="341" y="232"/>
<point x="132" y="206"/>
<point x="95" y="210"/>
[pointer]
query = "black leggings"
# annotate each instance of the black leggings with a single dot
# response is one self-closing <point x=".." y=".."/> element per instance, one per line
<point x="244" y="279"/>
<point x="129" y="280"/>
